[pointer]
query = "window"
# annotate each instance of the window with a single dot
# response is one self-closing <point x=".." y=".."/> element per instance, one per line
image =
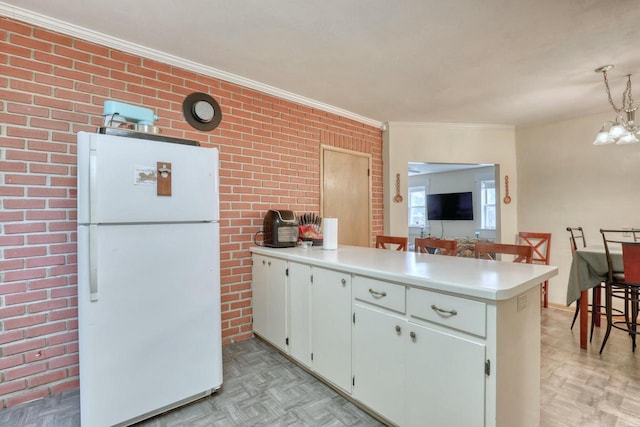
<point x="417" y="206"/>
<point x="488" y="204"/>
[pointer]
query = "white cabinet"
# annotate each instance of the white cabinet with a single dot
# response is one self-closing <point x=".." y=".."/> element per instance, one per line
<point x="445" y="379"/>
<point x="414" y="354"/>
<point x="379" y="361"/>
<point x="413" y="374"/>
<point x="331" y="326"/>
<point x="269" y="299"/>
<point x="445" y="368"/>
<point x="299" y="313"/>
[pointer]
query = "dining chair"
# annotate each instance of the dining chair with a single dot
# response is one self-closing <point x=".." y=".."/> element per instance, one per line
<point x="522" y="253"/>
<point x="624" y="285"/>
<point x="541" y="245"/>
<point x="383" y="241"/>
<point x="443" y="246"/>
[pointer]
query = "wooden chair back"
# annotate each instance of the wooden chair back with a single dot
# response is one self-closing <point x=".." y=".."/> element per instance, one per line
<point x="613" y="239"/>
<point x="522" y="253"/>
<point x="576" y="234"/>
<point x="447" y="247"/>
<point x="541" y="244"/>
<point x="387" y="242"/>
<point x="631" y="262"/>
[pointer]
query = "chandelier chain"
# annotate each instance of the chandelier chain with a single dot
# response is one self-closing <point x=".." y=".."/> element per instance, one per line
<point x="624" y="94"/>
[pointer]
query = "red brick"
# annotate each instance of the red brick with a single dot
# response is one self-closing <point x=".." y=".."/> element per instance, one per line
<point x="14" y="119"/>
<point x="62" y="338"/>
<point x="15" y="276"/>
<point x="26" y="397"/>
<point x="24" y="179"/>
<point x="8" y="312"/>
<point x="11" y="191"/>
<point x="27" y="133"/>
<point x="47" y="378"/>
<point x="24" y="346"/>
<point x="58" y="104"/>
<point x="46" y="238"/>
<point x="26" y="156"/>
<point x="49" y="124"/>
<point x="21" y="322"/>
<point x="61" y="362"/>
<point x="46" y="192"/>
<point x="29" y="227"/>
<point x="48" y="305"/>
<point x="48" y="329"/>
<point x="13" y="166"/>
<point x="22" y="297"/>
<point x="47" y="214"/>
<point x="10" y="387"/>
<point x="49" y="169"/>
<point x="51" y="282"/>
<point x="10" y="337"/>
<point x="53" y="81"/>
<point x="11" y="240"/>
<point x="24" y="371"/>
<point x="11" y="265"/>
<point x="12" y="288"/>
<point x="63" y="314"/>
<point x="68" y="385"/>
<point x="25" y="252"/>
<point x="13" y="96"/>
<point x="24" y="204"/>
<point x="10" y="362"/>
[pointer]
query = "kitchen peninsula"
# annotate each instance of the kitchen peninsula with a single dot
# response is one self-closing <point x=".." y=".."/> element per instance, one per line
<point x="417" y="339"/>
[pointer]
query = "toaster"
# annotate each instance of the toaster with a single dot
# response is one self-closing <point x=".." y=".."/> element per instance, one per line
<point x="280" y="229"/>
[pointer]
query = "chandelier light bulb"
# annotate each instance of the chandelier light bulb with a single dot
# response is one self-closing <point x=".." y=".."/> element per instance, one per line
<point x="616" y="131"/>
<point x="603" y="138"/>
<point x="629" y="138"/>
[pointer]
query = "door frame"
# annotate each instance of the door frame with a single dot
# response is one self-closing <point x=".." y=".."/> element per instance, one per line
<point x="369" y="157"/>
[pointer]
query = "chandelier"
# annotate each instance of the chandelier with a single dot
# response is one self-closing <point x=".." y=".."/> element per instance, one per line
<point x="624" y="129"/>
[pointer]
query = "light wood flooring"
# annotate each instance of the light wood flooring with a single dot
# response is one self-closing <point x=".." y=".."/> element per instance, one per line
<point x="261" y="387"/>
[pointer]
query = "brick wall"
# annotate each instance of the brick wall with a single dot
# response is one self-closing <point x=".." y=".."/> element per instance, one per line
<point x="52" y="86"/>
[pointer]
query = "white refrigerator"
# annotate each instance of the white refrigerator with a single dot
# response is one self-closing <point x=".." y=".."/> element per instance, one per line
<point x="148" y="277"/>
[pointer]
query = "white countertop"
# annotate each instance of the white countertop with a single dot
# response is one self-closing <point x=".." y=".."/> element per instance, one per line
<point x="491" y="280"/>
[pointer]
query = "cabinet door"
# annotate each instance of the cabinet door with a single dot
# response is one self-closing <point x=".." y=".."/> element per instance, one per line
<point x="330" y="326"/>
<point x="379" y="341"/>
<point x="269" y="298"/>
<point x="299" y="313"/>
<point x="259" y="291"/>
<point x="277" y="309"/>
<point x="445" y="379"/>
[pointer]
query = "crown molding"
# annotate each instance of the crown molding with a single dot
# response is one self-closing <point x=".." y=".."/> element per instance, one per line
<point x="450" y="125"/>
<point x="53" y="24"/>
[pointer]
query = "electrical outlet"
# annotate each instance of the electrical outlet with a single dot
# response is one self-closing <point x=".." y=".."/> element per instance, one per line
<point x="522" y="302"/>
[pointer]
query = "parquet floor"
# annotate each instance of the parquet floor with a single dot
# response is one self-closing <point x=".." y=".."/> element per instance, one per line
<point x="263" y="388"/>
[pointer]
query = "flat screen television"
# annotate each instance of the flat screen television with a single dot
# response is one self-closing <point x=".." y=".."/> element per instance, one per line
<point x="450" y="206"/>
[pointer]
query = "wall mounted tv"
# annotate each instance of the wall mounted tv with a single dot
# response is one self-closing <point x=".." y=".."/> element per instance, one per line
<point x="450" y="206"/>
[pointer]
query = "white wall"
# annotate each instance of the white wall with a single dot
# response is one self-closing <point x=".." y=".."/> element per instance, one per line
<point x="564" y="180"/>
<point x="447" y="143"/>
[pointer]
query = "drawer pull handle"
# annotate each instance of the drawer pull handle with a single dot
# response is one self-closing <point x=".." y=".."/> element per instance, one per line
<point x="441" y="311"/>
<point x="398" y="329"/>
<point x="343" y="281"/>
<point x="377" y="294"/>
<point x="412" y="335"/>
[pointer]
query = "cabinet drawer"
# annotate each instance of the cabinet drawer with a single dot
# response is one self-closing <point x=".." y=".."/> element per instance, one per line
<point x="376" y="292"/>
<point x="453" y="312"/>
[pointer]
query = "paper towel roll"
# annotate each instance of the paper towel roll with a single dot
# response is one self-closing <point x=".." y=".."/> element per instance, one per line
<point x="330" y="233"/>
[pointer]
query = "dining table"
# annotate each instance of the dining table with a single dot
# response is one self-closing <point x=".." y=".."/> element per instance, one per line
<point x="588" y="269"/>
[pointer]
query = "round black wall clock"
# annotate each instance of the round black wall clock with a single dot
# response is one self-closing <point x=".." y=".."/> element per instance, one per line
<point x="201" y="111"/>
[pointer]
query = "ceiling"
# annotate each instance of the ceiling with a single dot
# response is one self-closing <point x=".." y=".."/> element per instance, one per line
<point x="504" y="62"/>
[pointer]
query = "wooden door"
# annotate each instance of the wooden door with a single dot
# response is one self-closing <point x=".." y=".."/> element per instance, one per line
<point x="346" y="194"/>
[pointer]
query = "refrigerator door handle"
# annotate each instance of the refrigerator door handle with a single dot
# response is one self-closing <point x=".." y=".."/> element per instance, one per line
<point x="93" y="262"/>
